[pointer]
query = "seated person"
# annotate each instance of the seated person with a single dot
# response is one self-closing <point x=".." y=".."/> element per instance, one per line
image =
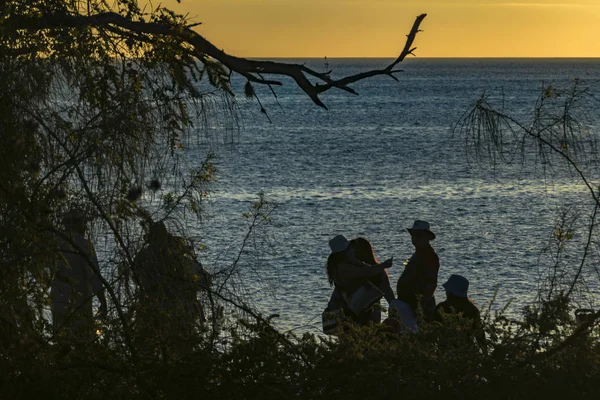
<point x="458" y="302"/>
<point x="404" y="310"/>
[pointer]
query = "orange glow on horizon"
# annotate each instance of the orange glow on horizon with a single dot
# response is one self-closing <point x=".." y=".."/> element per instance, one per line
<point x="377" y="28"/>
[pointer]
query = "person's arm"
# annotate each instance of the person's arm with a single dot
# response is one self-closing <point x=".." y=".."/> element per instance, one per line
<point x="385" y="286"/>
<point x="479" y="332"/>
<point x="103" y="309"/>
<point x="432" y="266"/>
<point x="203" y="275"/>
<point x="429" y="290"/>
<point x="96" y="283"/>
<point x="351" y="271"/>
<point x="335" y="300"/>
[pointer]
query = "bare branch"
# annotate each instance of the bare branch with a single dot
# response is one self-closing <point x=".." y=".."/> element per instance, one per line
<point x="586" y="249"/>
<point x="203" y="48"/>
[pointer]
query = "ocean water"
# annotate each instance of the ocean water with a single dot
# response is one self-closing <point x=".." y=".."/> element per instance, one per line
<point x="372" y="164"/>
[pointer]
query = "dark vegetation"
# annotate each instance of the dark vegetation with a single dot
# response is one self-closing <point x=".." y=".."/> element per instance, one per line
<point x="100" y="103"/>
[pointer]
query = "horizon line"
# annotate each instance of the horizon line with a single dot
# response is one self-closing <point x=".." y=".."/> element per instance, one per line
<point x="415" y="58"/>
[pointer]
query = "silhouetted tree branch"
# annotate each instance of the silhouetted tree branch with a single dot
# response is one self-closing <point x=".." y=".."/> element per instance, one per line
<point x="203" y="49"/>
<point x="556" y="132"/>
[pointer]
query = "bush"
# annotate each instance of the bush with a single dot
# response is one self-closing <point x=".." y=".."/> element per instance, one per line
<point x="256" y="361"/>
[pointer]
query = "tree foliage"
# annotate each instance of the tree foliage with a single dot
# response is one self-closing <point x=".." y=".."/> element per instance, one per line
<point x="101" y="103"/>
<point x="561" y="136"/>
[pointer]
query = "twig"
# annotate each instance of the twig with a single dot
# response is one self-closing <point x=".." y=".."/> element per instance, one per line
<point x="587" y="246"/>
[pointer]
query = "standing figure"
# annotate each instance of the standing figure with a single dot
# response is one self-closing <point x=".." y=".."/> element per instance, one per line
<point x="364" y="252"/>
<point x="349" y="273"/>
<point x="168" y="278"/>
<point x="76" y="281"/>
<point x="420" y="274"/>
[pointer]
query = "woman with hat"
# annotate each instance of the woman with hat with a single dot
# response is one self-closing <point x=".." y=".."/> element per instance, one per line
<point x="420" y="274"/>
<point x="458" y="302"/>
<point x="348" y="273"/>
<point x="457" y="299"/>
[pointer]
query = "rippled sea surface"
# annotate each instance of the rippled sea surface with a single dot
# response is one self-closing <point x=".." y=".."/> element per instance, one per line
<point x="372" y="164"/>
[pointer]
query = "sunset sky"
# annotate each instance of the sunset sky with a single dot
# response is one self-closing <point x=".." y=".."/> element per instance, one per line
<point x="377" y="28"/>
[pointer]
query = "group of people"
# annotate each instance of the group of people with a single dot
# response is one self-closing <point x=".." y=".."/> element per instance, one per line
<point x="360" y="281"/>
<point x="166" y="275"/>
<point x="168" y="279"/>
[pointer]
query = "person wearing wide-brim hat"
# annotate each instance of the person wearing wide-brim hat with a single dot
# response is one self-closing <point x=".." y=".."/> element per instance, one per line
<point x="349" y="266"/>
<point x="421" y="228"/>
<point x="420" y="274"/>
<point x="458" y="302"/>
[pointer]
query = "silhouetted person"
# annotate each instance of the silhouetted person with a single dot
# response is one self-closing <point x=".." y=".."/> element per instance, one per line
<point x="419" y="278"/>
<point x="76" y="281"/>
<point x="458" y="302"/>
<point x="348" y="273"/>
<point x="168" y="279"/>
<point x="364" y="252"/>
<point x="404" y="309"/>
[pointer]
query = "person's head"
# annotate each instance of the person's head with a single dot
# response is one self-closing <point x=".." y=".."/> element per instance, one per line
<point x="457" y="286"/>
<point x="339" y="244"/>
<point x="363" y="250"/>
<point x="75" y="220"/>
<point x="340" y="251"/>
<point x="420" y="234"/>
<point x="157" y="233"/>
